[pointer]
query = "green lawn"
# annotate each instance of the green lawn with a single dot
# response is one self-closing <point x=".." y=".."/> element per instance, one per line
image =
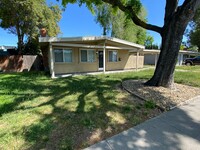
<point x="37" y="112"/>
<point x="189" y="68"/>
<point x="190" y="75"/>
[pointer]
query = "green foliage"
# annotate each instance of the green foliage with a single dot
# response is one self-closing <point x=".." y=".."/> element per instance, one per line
<point x="149" y="43"/>
<point x="153" y="46"/>
<point x="124" y="28"/>
<point x="32" y="46"/>
<point x="103" y="17"/>
<point x="112" y="19"/>
<point x="194" y="34"/>
<point x="150" y="104"/>
<point x="119" y="23"/>
<point x="182" y="47"/>
<point x="24" y="18"/>
<point x="149" y="40"/>
<point x="135" y="4"/>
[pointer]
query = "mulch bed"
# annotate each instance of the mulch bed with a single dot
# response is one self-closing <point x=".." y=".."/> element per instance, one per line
<point x="163" y="97"/>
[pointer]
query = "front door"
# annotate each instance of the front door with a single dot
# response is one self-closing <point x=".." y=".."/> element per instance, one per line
<point x="100" y="60"/>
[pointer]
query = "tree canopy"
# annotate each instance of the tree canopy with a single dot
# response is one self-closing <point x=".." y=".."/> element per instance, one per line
<point x="24" y="18"/>
<point x="117" y="23"/>
<point x="194" y="34"/>
<point x="124" y="28"/>
<point x="103" y="16"/>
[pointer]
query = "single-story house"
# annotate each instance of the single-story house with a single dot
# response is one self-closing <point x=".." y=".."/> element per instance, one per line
<point x="7" y="50"/>
<point x="151" y="56"/>
<point x="90" y="54"/>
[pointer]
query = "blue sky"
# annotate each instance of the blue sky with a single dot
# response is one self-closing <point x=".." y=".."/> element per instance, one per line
<point x="78" y="21"/>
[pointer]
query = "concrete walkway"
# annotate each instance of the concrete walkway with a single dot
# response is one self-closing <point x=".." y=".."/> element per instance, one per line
<point x="173" y="130"/>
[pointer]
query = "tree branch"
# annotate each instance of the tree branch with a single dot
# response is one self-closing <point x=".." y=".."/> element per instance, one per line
<point x="133" y="15"/>
<point x="187" y="8"/>
<point x="170" y="9"/>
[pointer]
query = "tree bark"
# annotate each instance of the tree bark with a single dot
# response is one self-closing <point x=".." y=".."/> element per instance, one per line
<point x="20" y="39"/>
<point x="164" y="73"/>
<point x="104" y="31"/>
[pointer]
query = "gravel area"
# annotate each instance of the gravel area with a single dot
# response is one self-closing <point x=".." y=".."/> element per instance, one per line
<point x="163" y="97"/>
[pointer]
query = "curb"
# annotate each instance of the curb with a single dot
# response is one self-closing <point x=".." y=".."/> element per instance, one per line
<point x="185" y="102"/>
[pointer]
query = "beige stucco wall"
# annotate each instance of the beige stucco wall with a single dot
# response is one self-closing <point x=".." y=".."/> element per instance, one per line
<point x="128" y="61"/>
<point x="76" y="66"/>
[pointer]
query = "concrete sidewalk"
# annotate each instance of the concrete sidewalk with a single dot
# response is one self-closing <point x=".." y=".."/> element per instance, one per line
<point x="173" y="130"/>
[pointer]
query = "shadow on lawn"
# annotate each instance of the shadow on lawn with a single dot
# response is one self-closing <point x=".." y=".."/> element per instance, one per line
<point x="70" y="128"/>
<point x="67" y="127"/>
<point x="62" y="128"/>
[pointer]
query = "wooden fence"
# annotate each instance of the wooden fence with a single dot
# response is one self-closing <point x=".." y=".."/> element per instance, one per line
<point x="20" y="63"/>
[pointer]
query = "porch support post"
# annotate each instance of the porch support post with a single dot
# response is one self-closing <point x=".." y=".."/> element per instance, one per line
<point x="156" y="58"/>
<point x="104" y="58"/>
<point x="137" y="60"/>
<point x="51" y="61"/>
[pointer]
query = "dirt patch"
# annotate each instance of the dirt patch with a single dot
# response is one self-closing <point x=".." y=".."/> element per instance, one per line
<point x="164" y="97"/>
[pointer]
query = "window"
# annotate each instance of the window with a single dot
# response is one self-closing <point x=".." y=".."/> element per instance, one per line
<point x="63" y="55"/>
<point x="87" y="55"/>
<point x="198" y="57"/>
<point x="112" y="56"/>
<point x="58" y="55"/>
<point x="67" y="55"/>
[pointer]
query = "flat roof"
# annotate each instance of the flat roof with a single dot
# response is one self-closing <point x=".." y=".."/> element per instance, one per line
<point x="157" y="51"/>
<point x="89" y="38"/>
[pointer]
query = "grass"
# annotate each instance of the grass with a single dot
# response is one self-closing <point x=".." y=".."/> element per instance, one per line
<point x="189" y="77"/>
<point x="189" y="68"/>
<point x="37" y="112"/>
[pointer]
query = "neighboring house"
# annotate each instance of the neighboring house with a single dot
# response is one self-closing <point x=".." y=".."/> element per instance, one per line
<point x="90" y="54"/>
<point x="7" y="50"/>
<point x="151" y="56"/>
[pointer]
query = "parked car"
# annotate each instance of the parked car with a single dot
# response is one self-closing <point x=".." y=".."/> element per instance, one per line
<point x="192" y="61"/>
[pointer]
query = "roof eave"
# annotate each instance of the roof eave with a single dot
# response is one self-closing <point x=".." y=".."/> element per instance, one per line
<point x="92" y="38"/>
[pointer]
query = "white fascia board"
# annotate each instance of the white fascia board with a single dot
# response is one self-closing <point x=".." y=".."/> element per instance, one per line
<point x="90" y="38"/>
<point x="189" y="52"/>
<point x="125" y="42"/>
<point x="70" y="39"/>
<point x="153" y="51"/>
<point x="95" y="46"/>
<point x="77" y="45"/>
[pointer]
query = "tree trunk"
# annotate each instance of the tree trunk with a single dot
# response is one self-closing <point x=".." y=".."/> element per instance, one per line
<point x="172" y="35"/>
<point x="20" y="39"/>
<point x="104" y="31"/>
<point x="20" y="44"/>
